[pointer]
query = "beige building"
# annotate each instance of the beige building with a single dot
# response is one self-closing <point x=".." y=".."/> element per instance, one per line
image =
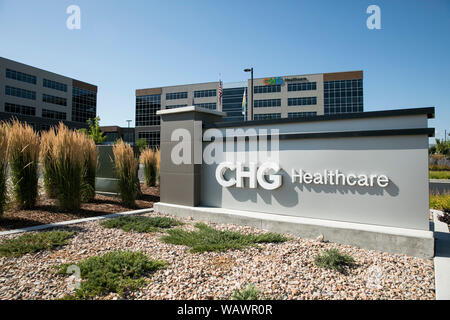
<point x="44" y="98"/>
<point x="273" y="98"/>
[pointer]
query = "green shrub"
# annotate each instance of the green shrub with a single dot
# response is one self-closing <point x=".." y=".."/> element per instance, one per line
<point x="333" y="259"/>
<point x="116" y="272"/>
<point x="440" y="201"/>
<point x="440" y="174"/>
<point x="3" y="167"/>
<point x="210" y="239"/>
<point x="248" y="293"/>
<point x="33" y="242"/>
<point x="127" y="170"/>
<point x="23" y="153"/>
<point x="140" y="224"/>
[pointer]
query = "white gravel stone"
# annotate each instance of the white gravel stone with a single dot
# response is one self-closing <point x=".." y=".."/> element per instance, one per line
<point x="280" y="271"/>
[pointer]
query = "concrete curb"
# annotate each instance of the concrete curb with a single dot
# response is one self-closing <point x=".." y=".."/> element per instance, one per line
<point x="77" y="221"/>
<point x="442" y="258"/>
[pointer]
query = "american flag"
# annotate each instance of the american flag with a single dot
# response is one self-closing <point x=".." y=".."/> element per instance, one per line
<point x="220" y="95"/>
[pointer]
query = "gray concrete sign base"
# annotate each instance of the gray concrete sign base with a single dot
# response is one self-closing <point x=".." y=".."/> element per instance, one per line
<point x="410" y="242"/>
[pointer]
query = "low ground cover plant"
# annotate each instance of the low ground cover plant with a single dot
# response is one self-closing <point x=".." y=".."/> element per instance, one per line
<point x="440" y="201"/>
<point x="250" y="292"/>
<point x="3" y="167"/>
<point x="442" y="174"/>
<point x="333" y="259"/>
<point x="140" y="224"/>
<point x="210" y="239"/>
<point x="127" y="171"/>
<point x="33" y="242"/>
<point x="23" y="154"/>
<point x="114" y="272"/>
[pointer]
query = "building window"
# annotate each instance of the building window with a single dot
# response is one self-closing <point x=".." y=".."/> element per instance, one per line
<point x="343" y="96"/>
<point x="84" y="105"/>
<point x="292" y="115"/>
<point x="232" y="103"/>
<point x="267" y="116"/>
<point x="211" y="105"/>
<point x="21" y="93"/>
<point x="19" y="109"/>
<point x="267" y="89"/>
<point x="54" y="100"/>
<point x="302" y="86"/>
<point x="306" y="101"/>
<point x="146" y="107"/>
<point x="51" y="114"/>
<point x="55" y="85"/>
<point x="152" y="138"/>
<point x="205" y="93"/>
<point x="267" y="103"/>
<point x="174" y="106"/>
<point x="176" y="95"/>
<point x="20" y="76"/>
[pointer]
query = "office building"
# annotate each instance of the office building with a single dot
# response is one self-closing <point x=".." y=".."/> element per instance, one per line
<point x="42" y="98"/>
<point x="273" y="98"/>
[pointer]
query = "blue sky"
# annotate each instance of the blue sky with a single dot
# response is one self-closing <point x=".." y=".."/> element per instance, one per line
<point x="127" y="45"/>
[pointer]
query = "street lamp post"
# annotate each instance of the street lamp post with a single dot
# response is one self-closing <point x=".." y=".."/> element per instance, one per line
<point x="251" y="84"/>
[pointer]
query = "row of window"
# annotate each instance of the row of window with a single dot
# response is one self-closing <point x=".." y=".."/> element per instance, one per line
<point x="51" y="114"/>
<point x="20" y="76"/>
<point x="267" y="89"/>
<point x="176" y="95"/>
<point x="152" y="138"/>
<point x="267" y="116"/>
<point x="212" y="105"/>
<point x="54" y="100"/>
<point x="304" y="101"/>
<point x="302" y="86"/>
<point x="267" y="103"/>
<point x="301" y="114"/>
<point x="343" y="84"/>
<point x="20" y="109"/>
<point x="21" y="93"/>
<point x="205" y="93"/>
<point x="55" y="85"/>
<point x="343" y="94"/>
<point x="176" y="106"/>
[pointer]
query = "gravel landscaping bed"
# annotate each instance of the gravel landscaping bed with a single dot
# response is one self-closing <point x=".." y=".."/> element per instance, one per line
<point x="46" y="210"/>
<point x="281" y="271"/>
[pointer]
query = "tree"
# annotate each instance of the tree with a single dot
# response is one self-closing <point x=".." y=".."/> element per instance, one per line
<point x="141" y="144"/>
<point x="442" y="147"/>
<point x="94" y="131"/>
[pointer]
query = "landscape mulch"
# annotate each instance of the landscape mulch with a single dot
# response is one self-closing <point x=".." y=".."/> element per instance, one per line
<point x="47" y="211"/>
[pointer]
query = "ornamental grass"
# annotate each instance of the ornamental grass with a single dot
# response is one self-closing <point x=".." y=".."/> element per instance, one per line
<point x="3" y="166"/>
<point x="90" y="169"/>
<point x="150" y="162"/>
<point x="68" y="161"/>
<point x="23" y="154"/>
<point x="47" y="162"/>
<point x="127" y="168"/>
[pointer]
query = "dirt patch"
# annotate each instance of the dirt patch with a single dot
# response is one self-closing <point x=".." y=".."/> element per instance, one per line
<point x="47" y="211"/>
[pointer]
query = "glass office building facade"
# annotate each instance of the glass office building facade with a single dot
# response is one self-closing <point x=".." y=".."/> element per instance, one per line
<point x="42" y="98"/>
<point x="278" y="97"/>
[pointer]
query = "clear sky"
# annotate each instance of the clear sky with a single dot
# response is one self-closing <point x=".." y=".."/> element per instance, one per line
<point x="128" y="45"/>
